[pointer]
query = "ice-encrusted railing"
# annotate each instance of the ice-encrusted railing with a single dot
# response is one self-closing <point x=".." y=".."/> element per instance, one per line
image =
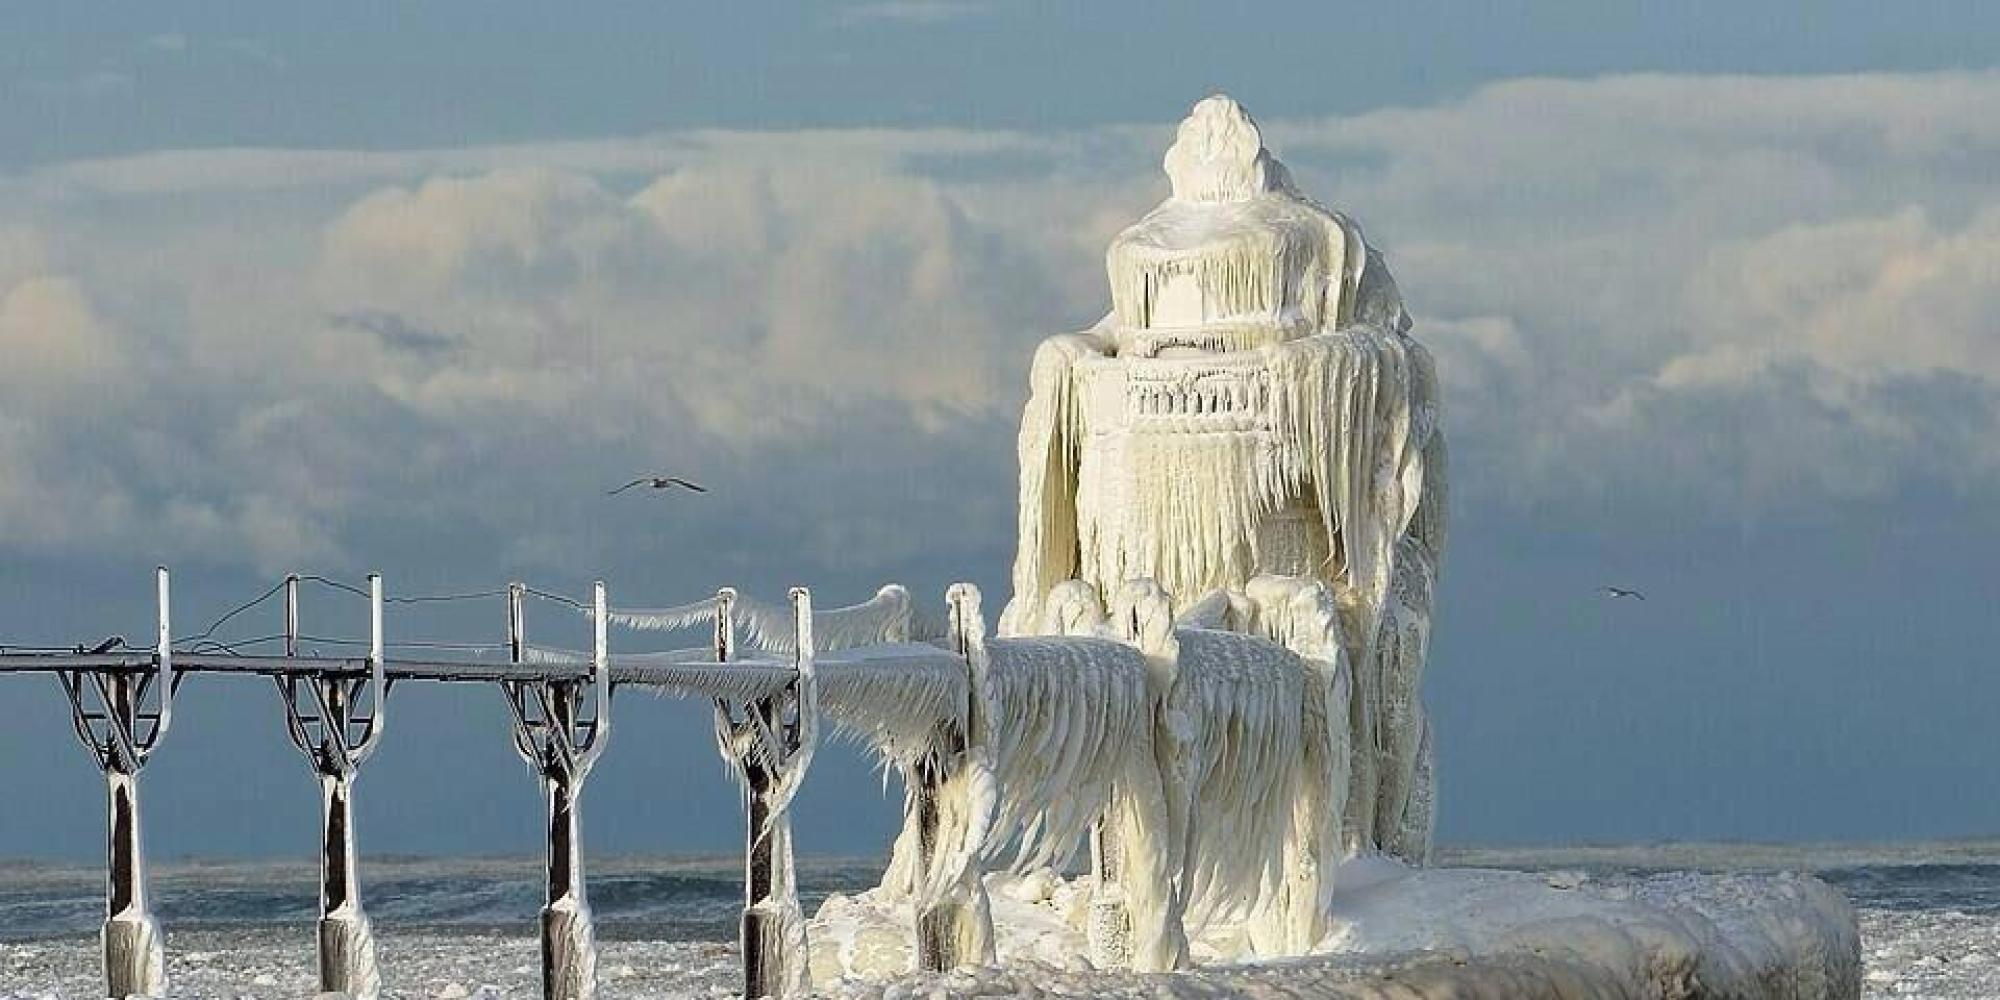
<point x="1203" y="760"/>
<point x="1151" y="741"/>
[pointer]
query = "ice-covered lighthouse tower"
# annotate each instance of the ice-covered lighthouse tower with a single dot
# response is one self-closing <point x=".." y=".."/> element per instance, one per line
<point x="1253" y="405"/>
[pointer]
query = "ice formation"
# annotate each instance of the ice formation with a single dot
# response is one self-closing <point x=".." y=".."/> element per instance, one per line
<point x="886" y="617"/>
<point x="1231" y="516"/>
<point x="1253" y="405"/>
<point x="1438" y="933"/>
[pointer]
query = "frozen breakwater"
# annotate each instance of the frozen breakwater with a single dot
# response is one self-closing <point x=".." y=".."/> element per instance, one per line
<point x="1461" y="933"/>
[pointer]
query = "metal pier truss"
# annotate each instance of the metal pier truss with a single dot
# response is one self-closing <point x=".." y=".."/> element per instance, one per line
<point x="767" y="706"/>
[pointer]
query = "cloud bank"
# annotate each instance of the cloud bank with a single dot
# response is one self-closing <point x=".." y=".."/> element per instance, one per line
<point x="1738" y="296"/>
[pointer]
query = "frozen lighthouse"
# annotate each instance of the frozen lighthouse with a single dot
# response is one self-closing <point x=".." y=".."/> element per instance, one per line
<point x="1253" y="405"/>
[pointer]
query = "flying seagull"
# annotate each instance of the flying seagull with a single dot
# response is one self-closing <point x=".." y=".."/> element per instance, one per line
<point x="658" y="483"/>
<point x="1616" y="592"/>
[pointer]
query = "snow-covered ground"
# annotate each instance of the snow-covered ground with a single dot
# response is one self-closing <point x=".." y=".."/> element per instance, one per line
<point x="1935" y="955"/>
<point x="276" y="963"/>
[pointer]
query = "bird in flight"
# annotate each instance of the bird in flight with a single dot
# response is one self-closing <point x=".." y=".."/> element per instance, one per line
<point x="1617" y="592"/>
<point x="659" y="483"/>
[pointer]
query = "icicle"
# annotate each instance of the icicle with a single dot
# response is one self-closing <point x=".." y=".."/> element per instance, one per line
<point x="550" y="655"/>
<point x="1066" y="710"/>
<point x="1245" y="765"/>
<point x="893" y="699"/>
<point x="1049" y="443"/>
<point x="884" y="618"/>
<point x="664" y="619"/>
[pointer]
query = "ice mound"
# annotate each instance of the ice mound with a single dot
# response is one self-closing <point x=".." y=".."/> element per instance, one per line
<point x="1447" y="932"/>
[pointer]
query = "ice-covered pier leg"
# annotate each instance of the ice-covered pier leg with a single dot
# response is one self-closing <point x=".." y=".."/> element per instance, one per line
<point x="945" y="929"/>
<point x="135" y="961"/>
<point x="346" y="939"/>
<point x="120" y="715"/>
<point x="1153" y="821"/>
<point x="569" y="945"/>
<point x="1110" y="925"/>
<point x="560" y="728"/>
<point x="771" y="747"/>
<point x="1143" y="874"/>
<point x="771" y="966"/>
<point x="336" y="722"/>
<point x="954" y="920"/>
<point x="1302" y="614"/>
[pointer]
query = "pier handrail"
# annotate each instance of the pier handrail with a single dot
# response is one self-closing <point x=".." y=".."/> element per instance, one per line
<point x="770" y="698"/>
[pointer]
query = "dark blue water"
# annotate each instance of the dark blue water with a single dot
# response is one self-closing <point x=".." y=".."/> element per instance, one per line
<point x="664" y="900"/>
<point x="1965" y="888"/>
<point x="678" y="899"/>
<point x="1961" y="876"/>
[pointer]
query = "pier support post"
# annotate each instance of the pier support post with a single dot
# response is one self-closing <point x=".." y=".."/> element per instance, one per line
<point x="135" y="961"/>
<point x="120" y="716"/>
<point x="954" y="920"/>
<point x="772" y="967"/>
<point x="347" y="961"/>
<point x="939" y="917"/>
<point x="336" y="721"/>
<point x="773" y="741"/>
<point x="561" y="728"/>
<point x="569" y="941"/>
<point x="1109" y="926"/>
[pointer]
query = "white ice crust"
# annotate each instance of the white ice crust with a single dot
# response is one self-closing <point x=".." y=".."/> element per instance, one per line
<point x="1253" y="407"/>
<point x="1239" y="473"/>
<point x="1415" y="933"/>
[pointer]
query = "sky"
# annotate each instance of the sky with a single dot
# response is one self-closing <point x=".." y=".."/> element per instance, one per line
<point x="406" y="287"/>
